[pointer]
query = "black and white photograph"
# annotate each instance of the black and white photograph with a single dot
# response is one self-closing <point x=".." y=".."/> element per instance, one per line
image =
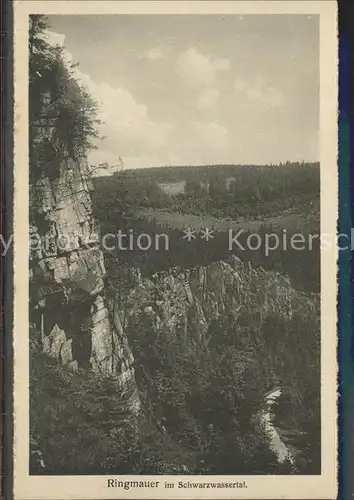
<point x="176" y="250"/>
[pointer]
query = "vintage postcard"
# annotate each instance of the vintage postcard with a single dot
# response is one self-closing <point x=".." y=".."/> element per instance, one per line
<point x="175" y="250"/>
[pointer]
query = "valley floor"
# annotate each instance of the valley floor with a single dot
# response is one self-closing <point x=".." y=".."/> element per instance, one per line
<point x="290" y="220"/>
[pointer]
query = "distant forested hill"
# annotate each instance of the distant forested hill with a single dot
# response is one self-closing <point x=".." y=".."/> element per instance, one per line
<point x="218" y="190"/>
<point x="151" y="200"/>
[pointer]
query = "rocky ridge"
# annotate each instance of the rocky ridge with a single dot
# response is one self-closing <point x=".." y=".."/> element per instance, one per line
<point x="188" y="301"/>
<point x="230" y="307"/>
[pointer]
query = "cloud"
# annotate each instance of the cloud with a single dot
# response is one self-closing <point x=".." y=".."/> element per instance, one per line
<point x="201" y="112"/>
<point x="210" y="134"/>
<point x="259" y="92"/>
<point x="58" y="40"/>
<point x="125" y="120"/>
<point x="198" y="142"/>
<point x="127" y="126"/>
<point x="154" y="54"/>
<point x="208" y="97"/>
<point x="54" y="39"/>
<point x="239" y="84"/>
<point x="222" y="64"/>
<point x="198" y="70"/>
<point x="208" y="142"/>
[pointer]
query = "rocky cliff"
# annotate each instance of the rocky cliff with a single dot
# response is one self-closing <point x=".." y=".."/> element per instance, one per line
<point x="188" y="301"/>
<point x="246" y="328"/>
<point x="230" y="304"/>
<point x="71" y="313"/>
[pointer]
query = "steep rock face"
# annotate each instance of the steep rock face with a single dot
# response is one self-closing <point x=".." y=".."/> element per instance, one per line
<point x="69" y="301"/>
<point x="187" y="302"/>
<point x="230" y="307"/>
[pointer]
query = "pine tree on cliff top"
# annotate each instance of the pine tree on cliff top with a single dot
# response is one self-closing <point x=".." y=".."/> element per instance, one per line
<point x="62" y="115"/>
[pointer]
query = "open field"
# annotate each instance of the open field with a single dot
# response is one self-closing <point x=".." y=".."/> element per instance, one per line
<point x="289" y="220"/>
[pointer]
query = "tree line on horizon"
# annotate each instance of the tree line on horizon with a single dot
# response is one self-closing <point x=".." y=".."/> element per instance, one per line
<point x="77" y="418"/>
<point x="221" y="191"/>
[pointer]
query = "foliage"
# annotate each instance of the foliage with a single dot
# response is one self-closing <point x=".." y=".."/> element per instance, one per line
<point x="62" y="115"/>
<point x="254" y="192"/>
<point x="205" y="401"/>
<point x="80" y="425"/>
<point x="222" y="191"/>
<point x="299" y="406"/>
<point x="208" y="393"/>
<point x="199" y="402"/>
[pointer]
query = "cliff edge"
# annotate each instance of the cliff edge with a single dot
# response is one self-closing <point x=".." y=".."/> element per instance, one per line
<point x="71" y="314"/>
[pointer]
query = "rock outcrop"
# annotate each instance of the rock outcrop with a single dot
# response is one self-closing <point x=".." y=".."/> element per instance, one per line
<point x="228" y="307"/>
<point x="72" y="314"/>
<point x="188" y="301"/>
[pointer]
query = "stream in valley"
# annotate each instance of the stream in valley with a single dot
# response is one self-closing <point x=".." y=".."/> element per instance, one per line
<point x="276" y="443"/>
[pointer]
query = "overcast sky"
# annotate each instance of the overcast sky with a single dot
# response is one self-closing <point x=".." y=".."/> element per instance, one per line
<point x="199" y="89"/>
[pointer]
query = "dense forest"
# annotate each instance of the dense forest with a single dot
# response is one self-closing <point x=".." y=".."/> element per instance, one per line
<point x="200" y="399"/>
<point x="220" y="190"/>
<point x="229" y="193"/>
